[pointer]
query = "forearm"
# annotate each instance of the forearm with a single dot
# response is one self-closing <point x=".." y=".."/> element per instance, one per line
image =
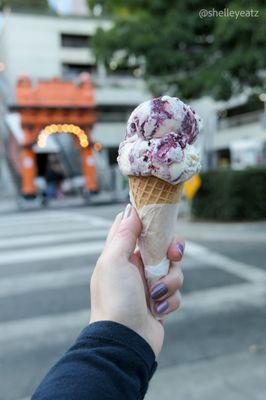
<point x="108" y="361"/>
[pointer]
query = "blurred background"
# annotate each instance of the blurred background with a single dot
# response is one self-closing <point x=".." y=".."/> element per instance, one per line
<point x="71" y="72"/>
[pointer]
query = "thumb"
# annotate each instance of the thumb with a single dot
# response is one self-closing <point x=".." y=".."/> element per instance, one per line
<point x="125" y="238"/>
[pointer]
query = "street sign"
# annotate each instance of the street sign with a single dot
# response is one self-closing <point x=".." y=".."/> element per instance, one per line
<point x="192" y="186"/>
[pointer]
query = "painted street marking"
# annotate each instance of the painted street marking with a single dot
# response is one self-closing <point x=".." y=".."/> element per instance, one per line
<point x="205" y="301"/>
<point x="33" y="282"/>
<point x="52" y="238"/>
<point x="208" y="257"/>
<point x="51" y="252"/>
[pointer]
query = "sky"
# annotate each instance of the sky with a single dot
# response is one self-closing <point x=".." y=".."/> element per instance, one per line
<point x="61" y="6"/>
<point x="68" y="6"/>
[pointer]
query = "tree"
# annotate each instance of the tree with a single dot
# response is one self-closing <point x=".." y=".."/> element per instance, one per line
<point x="25" y="5"/>
<point x="183" y="54"/>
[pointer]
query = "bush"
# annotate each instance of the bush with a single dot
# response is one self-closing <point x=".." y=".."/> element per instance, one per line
<point x="228" y="195"/>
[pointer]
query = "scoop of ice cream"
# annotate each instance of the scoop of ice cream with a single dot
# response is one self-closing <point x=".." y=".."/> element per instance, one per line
<point x="159" y="138"/>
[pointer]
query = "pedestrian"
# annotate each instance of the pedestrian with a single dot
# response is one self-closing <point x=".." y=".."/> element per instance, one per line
<point x="115" y="355"/>
<point x="54" y="177"/>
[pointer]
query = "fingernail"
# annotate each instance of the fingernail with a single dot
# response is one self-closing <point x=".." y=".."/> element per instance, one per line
<point x="127" y="211"/>
<point x="162" y="307"/>
<point x="158" y="291"/>
<point x="180" y="248"/>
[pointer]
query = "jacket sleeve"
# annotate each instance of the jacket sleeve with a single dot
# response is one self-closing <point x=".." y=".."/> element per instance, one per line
<point x="108" y="361"/>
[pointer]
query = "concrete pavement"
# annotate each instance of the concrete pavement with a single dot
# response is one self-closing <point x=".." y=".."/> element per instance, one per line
<point x="215" y="345"/>
<point x="231" y="377"/>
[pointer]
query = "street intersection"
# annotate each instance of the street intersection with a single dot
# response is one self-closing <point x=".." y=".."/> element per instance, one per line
<point x="215" y="345"/>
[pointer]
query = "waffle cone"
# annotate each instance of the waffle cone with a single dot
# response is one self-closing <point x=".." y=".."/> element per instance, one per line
<point x="147" y="190"/>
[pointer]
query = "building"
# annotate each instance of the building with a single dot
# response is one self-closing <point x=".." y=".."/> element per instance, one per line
<point x="45" y="46"/>
<point x="240" y="138"/>
<point x="234" y="132"/>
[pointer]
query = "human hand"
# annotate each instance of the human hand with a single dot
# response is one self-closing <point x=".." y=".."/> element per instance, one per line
<point x="119" y="290"/>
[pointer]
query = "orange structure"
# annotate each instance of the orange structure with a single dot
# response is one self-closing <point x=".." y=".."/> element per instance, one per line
<point x="51" y="107"/>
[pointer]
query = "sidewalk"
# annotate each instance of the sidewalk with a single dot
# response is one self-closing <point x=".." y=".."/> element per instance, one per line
<point x="103" y="198"/>
<point x="7" y="205"/>
<point x="233" y="377"/>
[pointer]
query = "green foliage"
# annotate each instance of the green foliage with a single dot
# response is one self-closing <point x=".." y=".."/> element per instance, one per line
<point x="227" y="195"/>
<point x="25" y="5"/>
<point x="183" y="54"/>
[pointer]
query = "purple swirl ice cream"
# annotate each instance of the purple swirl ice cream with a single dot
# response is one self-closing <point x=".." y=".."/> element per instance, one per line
<point x="159" y="141"/>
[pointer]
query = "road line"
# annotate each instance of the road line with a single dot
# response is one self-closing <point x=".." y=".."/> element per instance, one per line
<point x="42" y="326"/>
<point x="252" y="237"/>
<point x="94" y="220"/>
<point x="52" y="238"/>
<point x="209" y="301"/>
<point x="46" y="228"/>
<point x="16" y="218"/>
<point x="204" y="255"/>
<point x="225" y="298"/>
<point x="51" y="220"/>
<point x="32" y="220"/>
<point x="51" y="252"/>
<point x="31" y="282"/>
<point x="25" y="283"/>
<point x="44" y="280"/>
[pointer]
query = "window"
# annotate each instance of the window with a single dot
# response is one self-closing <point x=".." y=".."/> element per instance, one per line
<point x="71" y="69"/>
<point x="114" y="112"/>
<point x="121" y="71"/>
<point x="73" y="40"/>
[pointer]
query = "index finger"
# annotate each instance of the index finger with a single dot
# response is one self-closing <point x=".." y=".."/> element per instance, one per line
<point x="113" y="229"/>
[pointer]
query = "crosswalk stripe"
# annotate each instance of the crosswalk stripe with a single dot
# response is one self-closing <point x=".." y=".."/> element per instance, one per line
<point x="197" y="303"/>
<point x="200" y="253"/>
<point x="68" y="218"/>
<point x="221" y="299"/>
<point x="92" y="219"/>
<point x="34" y="281"/>
<point x="51" y="252"/>
<point x="52" y="238"/>
<point x="34" y="216"/>
<point x="31" y="221"/>
<point x="21" y="284"/>
<point x="41" y="326"/>
<point x="45" y="229"/>
<point x="203" y="255"/>
<point x="254" y="237"/>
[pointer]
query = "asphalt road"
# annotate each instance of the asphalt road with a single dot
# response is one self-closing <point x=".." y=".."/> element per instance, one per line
<point x="215" y="345"/>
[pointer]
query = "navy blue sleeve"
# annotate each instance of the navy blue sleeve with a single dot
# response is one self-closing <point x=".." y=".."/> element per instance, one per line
<point x="107" y="362"/>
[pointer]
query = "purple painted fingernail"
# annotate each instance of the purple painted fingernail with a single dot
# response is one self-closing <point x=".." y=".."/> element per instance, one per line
<point x="158" y="291"/>
<point x="180" y="248"/>
<point x="162" y="307"/>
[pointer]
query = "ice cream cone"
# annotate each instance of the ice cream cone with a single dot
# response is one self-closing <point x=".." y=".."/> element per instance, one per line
<point x="158" y="155"/>
<point x="157" y="204"/>
<point x="147" y="190"/>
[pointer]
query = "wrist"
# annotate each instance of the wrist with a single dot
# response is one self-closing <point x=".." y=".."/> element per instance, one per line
<point x="115" y="331"/>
